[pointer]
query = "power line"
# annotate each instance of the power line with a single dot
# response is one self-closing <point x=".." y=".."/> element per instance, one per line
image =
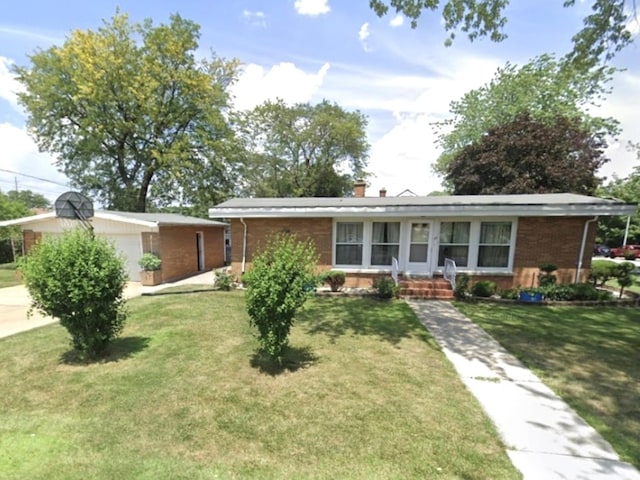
<point x="34" y="177"/>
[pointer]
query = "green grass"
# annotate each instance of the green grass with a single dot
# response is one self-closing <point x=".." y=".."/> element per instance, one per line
<point x="364" y="393"/>
<point x="8" y="275"/>
<point x="588" y="356"/>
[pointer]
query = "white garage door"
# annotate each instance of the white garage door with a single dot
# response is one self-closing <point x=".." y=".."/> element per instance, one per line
<point x="130" y="247"/>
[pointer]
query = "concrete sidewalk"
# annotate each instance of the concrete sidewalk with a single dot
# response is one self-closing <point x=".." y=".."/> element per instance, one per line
<point x="544" y="437"/>
<point x="15" y="301"/>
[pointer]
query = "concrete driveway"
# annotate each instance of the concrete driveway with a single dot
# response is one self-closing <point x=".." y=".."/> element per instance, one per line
<point x="14" y="304"/>
<point x="15" y="301"/>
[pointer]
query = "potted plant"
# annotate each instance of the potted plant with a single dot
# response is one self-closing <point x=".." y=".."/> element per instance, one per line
<point x="151" y="273"/>
<point x="531" y="295"/>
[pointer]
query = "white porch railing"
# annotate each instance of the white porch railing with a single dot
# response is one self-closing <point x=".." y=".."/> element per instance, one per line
<point x="450" y="272"/>
<point x="394" y="269"/>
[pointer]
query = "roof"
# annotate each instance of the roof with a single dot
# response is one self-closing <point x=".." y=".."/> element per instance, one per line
<point x="550" y="204"/>
<point x="143" y="219"/>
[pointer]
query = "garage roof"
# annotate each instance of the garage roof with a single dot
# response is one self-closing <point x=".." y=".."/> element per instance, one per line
<point x="144" y="219"/>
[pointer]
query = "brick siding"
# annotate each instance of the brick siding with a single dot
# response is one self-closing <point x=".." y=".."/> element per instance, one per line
<point x="259" y="229"/>
<point x="178" y="250"/>
<point x="539" y="240"/>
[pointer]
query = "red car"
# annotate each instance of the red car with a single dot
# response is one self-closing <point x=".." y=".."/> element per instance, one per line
<point x="622" y="251"/>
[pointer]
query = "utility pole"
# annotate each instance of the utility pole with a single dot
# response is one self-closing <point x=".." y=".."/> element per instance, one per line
<point x="16" y="180"/>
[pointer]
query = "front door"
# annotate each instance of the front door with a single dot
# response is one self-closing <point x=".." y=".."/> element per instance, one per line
<point x="418" y="261"/>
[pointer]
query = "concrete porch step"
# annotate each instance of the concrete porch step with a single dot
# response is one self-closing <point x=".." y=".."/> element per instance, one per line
<point x="433" y="288"/>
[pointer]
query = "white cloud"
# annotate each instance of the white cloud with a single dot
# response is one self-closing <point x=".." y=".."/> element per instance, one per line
<point x="363" y="34"/>
<point x="255" y="85"/>
<point x="9" y="86"/>
<point x="312" y="7"/>
<point x="624" y="105"/>
<point x="257" y="18"/>
<point x="20" y="154"/>
<point x="397" y="21"/>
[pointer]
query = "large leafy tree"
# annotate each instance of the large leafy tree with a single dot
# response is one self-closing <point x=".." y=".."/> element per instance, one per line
<point x="303" y="150"/>
<point x="29" y="199"/>
<point x="529" y="156"/>
<point x="544" y="88"/>
<point x="611" y="230"/>
<point x="10" y="208"/>
<point x="604" y="31"/>
<point x="132" y="115"/>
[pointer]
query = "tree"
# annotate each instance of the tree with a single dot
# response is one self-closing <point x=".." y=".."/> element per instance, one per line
<point x="529" y="156"/>
<point x="279" y="282"/>
<point x="611" y="230"/>
<point x="544" y="88"/>
<point x="80" y="280"/>
<point x="604" y="32"/>
<point x="303" y="150"/>
<point x="9" y="209"/>
<point x="29" y="199"/>
<point x="131" y="114"/>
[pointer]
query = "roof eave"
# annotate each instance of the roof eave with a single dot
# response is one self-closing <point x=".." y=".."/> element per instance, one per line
<point x="562" y="210"/>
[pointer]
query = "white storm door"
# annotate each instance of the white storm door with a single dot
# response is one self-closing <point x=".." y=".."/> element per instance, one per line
<point x="418" y="261"/>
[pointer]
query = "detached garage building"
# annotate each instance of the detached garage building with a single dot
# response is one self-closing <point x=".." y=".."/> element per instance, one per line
<point x="186" y="245"/>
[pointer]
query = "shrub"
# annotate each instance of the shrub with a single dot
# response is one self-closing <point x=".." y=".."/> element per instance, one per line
<point x="150" y="262"/>
<point x="546" y="277"/>
<point x="629" y="256"/>
<point x="335" y="279"/>
<point x="623" y="273"/>
<point x="223" y="281"/>
<point x="510" y="294"/>
<point x="385" y="287"/>
<point x="484" y="288"/>
<point x="80" y="280"/>
<point x="601" y="271"/>
<point x="462" y="286"/>
<point x="575" y="291"/>
<point x="278" y="285"/>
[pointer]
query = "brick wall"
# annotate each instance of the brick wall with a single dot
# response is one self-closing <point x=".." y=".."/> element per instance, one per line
<point x="551" y="240"/>
<point x="178" y="250"/>
<point x="539" y="240"/>
<point x="259" y="229"/>
<point x="29" y="239"/>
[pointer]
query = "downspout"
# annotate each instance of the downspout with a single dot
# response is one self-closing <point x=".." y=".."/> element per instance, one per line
<point x="244" y="244"/>
<point x="626" y="231"/>
<point x="585" y="231"/>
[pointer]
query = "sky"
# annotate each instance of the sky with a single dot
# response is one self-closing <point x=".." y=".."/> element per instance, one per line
<point x="402" y="79"/>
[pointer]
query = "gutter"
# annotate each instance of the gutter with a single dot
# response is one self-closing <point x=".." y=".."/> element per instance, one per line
<point x="585" y="231"/>
<point x="244" y="244"/>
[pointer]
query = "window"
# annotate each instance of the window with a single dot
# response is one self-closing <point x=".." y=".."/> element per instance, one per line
<point x="385" y="242"/>
<point x="349" y="241"/>
<point x="454" y="243"/>
<point x="493" y="248"/>
<point x="419" y="248"/>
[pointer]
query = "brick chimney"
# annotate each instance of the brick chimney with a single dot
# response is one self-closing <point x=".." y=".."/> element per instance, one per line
<point x="383" y="192"/>
<point x="359" y="188"/>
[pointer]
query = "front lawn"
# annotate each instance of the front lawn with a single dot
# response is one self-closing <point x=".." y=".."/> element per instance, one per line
<point x="8" y="275"/>
<point x="364" y="394"/>
<point x="588" y="356"/>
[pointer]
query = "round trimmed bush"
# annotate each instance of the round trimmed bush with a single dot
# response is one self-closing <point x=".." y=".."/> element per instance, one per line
<point x="484" y="288"/>
<point x="80" y="280"/>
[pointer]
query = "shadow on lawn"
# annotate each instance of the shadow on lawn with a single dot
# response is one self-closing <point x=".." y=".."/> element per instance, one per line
<point x="392" y="321"/>
<point x="294" y="359"/>
<point x="119" y="349"/>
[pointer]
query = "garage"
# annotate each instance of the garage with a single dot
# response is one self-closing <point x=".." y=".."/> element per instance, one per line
<point x="186" y="245"/>
<point x="131" y="248"/>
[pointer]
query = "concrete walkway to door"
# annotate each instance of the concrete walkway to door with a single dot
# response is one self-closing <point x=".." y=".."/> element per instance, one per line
<point x="15" y="301"/>
<point x="545" y="439"/>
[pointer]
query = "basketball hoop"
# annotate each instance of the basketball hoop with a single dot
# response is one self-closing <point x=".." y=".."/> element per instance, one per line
<point x="73" y="206"/>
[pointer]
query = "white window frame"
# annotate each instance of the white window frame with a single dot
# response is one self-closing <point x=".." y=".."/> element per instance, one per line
<point x="435" y="223"/>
